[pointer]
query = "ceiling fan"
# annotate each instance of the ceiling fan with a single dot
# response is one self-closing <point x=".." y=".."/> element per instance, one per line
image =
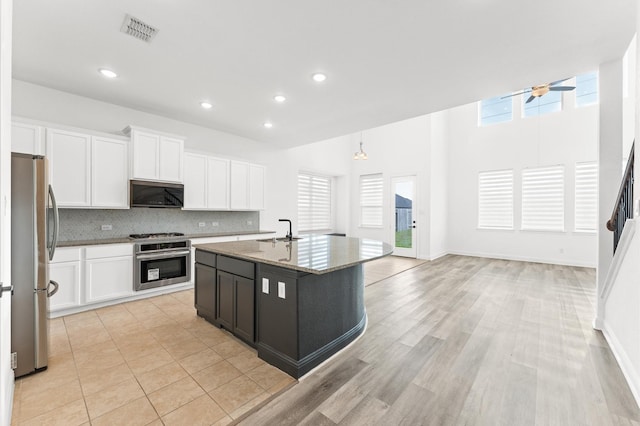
<point x="543" y="89"/>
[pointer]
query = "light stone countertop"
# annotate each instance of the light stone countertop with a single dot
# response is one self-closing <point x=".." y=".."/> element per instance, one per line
<point x="315" y="254"/>
<point x="124" y="240"/>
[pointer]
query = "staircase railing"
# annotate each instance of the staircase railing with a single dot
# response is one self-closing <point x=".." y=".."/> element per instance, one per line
<point x="623" y="208"/>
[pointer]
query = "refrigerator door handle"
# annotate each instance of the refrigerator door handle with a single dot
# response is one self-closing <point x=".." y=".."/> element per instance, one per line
<point x="55" y="290"/>
<point x="56" y="223"/>
<point x="6" y="288"/>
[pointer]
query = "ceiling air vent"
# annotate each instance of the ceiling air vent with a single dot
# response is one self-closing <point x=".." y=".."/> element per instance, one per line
<point x="138" y="29"/>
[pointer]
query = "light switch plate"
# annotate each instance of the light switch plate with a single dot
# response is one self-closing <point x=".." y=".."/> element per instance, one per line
<point x="106" y="227"/>
<point x="281" y="293"/>
<point x="265" y="285"/>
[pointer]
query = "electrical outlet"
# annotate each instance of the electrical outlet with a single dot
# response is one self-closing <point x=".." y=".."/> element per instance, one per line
<point x="215" y="224"/>
<point x="561" y="251"/>
<point x="202" y="224"/>
<point x="106" y="227"/>
<point x="265" y="285"/>
<point x="281" y="290"/>
<point x="249" y="222"/>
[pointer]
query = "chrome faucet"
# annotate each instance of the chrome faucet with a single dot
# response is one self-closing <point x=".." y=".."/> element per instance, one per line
<point x="290" y="234"/>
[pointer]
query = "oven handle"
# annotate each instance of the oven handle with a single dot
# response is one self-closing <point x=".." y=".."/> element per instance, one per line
<point x="161" y="255"/>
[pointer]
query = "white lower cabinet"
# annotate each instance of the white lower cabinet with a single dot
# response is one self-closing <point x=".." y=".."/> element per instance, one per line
<point x="91" y="274"/>
<point x="64" y="269"/>
<point x="108" y="272"/>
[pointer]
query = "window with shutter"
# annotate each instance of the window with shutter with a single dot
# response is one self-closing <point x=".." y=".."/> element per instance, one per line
<point x="543" y="199"/>
<point x="371" y="200"/>
<point x="495" y="199"/>
<point x="314" y="202"/>
<point x="586" y="197"/>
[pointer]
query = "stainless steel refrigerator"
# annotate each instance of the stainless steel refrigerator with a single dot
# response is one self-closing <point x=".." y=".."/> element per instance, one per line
<point x="34" y="232"/>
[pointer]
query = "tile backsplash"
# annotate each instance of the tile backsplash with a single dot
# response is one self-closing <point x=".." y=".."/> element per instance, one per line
<point x="86" y="224"/>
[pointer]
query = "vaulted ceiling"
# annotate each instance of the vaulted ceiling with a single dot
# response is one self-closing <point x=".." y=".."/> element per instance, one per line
<point x="385" y="60"/>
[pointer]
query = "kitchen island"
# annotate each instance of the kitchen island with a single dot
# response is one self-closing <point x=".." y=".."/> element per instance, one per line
<point x="298" y="302"/>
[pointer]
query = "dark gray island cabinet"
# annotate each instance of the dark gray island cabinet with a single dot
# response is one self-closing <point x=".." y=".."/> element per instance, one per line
<point x="298" y="302"/>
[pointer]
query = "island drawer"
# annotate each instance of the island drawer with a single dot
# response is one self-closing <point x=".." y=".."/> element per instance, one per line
<point x="236" y="266"/>
<point x="206" y="258"/>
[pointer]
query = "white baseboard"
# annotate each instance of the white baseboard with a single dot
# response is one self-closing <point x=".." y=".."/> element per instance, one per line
<point x="438" y="256"/>
<point x="566" y="262"/>
<point x="628" y="371"/>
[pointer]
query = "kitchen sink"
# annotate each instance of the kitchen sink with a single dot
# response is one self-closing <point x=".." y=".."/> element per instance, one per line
<point x="269" y="240"/>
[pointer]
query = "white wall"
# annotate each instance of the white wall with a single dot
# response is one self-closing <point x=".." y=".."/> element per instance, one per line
<point x="439" y="185"/>
<point x="565" y="138"/>
<point x="328" y="158"/>
<point x="398" y="149"/>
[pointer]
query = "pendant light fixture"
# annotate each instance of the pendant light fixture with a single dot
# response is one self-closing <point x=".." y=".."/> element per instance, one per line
<point x="360" y="155"/>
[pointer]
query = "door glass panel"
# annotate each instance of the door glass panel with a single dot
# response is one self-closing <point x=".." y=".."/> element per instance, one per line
<point x="404" y="213"/>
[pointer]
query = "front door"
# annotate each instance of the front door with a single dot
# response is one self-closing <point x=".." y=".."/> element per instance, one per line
<point x="403" y="205"/>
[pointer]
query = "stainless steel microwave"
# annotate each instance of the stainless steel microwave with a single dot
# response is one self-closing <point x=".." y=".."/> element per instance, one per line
<point x="156" y="194"/>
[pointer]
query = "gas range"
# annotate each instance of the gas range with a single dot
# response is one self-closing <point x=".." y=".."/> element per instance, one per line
<point x="156" y="235"/>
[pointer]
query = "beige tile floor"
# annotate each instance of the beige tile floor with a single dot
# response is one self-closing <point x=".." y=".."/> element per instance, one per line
<point x="388" y="266"/>
<point x="151" y="361"/>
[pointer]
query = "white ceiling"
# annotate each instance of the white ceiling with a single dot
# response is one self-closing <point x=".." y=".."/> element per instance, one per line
<point x="385" y="60"/>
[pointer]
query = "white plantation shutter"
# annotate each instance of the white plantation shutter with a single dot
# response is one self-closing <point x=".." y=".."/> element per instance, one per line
<point x="586" y="208"/>
<point x="314" y="202"/>
<point x="371" y="200"/>
<point x="495" y="199"/>
<point x="543" y="199"/>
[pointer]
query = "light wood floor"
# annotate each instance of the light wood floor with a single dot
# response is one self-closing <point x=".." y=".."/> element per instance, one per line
<point x="469" y="341"/>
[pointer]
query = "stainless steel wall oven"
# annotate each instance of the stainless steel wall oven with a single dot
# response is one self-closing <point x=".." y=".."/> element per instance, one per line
<point x="160" y="263"/>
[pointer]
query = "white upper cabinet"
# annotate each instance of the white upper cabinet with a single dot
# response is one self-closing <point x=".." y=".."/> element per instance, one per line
<point x="87" y="171"/>
<point x="171" y="159"/>
<point x="218" y="183"/>
<point x="69" y="155"/>
<point x="109" y="173"/>
<point x="155" y="156"/>
<point x="145" y="158"/>
<point x="195" y="181"/>
<point x="239" y="185"/>
<point x="247" y="186"/>
<point x="206" y="182"/>
<point x="27" y="138"/>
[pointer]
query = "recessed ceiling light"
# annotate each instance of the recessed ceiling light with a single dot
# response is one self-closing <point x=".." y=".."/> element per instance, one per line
<point x="279" y="98"/>
<point x="319" y="77"/>
<point x="268" y="125"/>
<point x="206" y="105"/>
<point x="107" y="73"/>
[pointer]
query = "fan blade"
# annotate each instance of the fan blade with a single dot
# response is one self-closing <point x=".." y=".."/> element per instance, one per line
<point x="561" y="88"/>
<point x="515" y="94"/>
<point x="530" y="99"/>
<point x="558" y="82"/>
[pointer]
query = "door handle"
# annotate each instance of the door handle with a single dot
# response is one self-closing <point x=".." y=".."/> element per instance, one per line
<point x="56" y="223"/>
<point x="55" y="290"/>
<point x="6" y="288"/>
